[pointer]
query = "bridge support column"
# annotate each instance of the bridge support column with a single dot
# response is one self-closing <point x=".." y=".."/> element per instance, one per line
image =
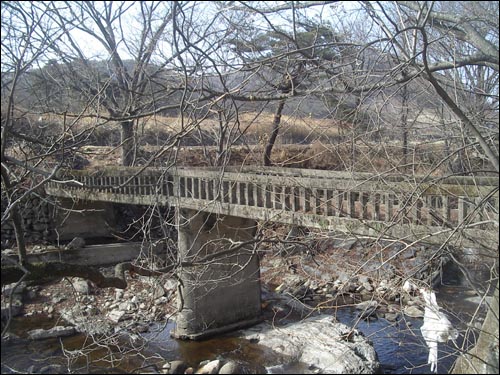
<point x="219" y="287"/>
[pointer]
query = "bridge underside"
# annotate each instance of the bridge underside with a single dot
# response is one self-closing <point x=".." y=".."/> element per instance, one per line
<point x="220" y="278"/>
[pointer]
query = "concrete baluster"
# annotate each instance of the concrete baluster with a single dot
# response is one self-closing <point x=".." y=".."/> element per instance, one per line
<point x="144" y="185"/>
<point x="268" y="192"/>
<point x="351" y="203"/>
<point x="244" y="193"/>
<point x="315" y="205"/>
<point x="225" y="191"/>
<point x="302" y="199"/>
<point x="295" y="199"/>
<point x="234" y="192"/>
<point x="364" y="198"/>
<point x="445" y="209"/>
<point x="182" y="187"/>
<point x="462" y="209"/>
<point x="255" y="188"/>
<point x="210" y="189"/>
<point x="340" y="203"/>
<point x="203" y="188"/>
<point x="419" y="205"/>
<point x="329" y="202"/>
<point x="288" y="198"/>
<point x="277" y="192"/>
<point x="376" y="207"/>
<point x="388" y="206"/>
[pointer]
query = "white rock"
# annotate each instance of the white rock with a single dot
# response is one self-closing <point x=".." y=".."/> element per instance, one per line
<point x="115" y="315"/>
<point x="331" y="347"/>
<point x="81" y="285"/>
<point x="170" y="284"/>
<point x="118" y="294"/>
<point x="210" y="368"/>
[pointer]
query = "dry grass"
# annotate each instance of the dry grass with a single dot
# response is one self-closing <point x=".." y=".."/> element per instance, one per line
<point x="304" y="142"/>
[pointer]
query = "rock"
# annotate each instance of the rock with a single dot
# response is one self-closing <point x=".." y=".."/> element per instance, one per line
<point x="7" y="289"/>
<point x="81" y="285"/>
<point x="158" y="291"/>
<point x="16" y="309"/>
<point x="170" y="284"/>
<point x="174" y="367"/>
<point x="230" y="367"/>
<point x="367" y="309"/>
<point x="126" y="306"/>
<point x="161" y="301"/>
<point x="366" y="286"/>
<point x="413" y="312"/>
<point x="59" y="331"/>
<point x="350" y="287"/>
<point x="116" y="315"/>
<point x="141" y="328"/>
<point x="210" y="368"/>
<point x="8" y="252"/>
<point x="76" y="243"/>
<point x="409" y="253"/>
<point x="119" y="293"/>
<point x="409" y="287"/>
<point x="330" y="347"/>
<point x="392" y="317"/>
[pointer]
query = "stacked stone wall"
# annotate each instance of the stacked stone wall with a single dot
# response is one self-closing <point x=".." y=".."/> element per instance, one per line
<point x="36" y="213"/>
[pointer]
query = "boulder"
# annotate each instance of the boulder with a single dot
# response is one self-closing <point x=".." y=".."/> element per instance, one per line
<point x="230" y="367"/>
<point x="327" y="346"/>
<point x="174" y="367"/>
<point x="211" y="367"/>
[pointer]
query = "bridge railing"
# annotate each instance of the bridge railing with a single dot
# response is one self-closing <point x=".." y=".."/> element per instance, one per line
<point x="116" y="184"/>
<point x="322" y="199"/>
<point x="416" y="200"/>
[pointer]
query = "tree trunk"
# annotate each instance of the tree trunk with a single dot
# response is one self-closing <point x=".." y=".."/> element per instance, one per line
<point x="128" y="143"/>
<point x="483" y="358"/>
<point x="404" y="124"/>
<point x="17" y="220"/>
<point x="274" y="133"/>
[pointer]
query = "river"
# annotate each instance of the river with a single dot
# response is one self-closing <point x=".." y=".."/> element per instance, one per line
<point x="400" y="347"/>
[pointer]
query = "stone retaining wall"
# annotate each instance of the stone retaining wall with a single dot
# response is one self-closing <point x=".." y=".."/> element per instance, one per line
<point x="36" y="212"/>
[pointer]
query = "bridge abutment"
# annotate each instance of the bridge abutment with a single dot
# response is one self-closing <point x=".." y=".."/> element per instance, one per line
<point x="219" y="289"/>
<point x="87" y="219"/>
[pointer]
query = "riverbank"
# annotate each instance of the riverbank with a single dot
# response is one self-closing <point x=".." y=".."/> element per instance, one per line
<point x="354" y="282"/>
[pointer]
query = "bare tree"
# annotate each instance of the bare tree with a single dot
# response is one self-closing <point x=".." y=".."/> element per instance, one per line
<point x="211" y="63"/>
<point x="134" y="76"/>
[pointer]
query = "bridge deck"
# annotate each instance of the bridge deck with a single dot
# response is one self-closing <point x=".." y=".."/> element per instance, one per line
<point x="397" y="206"/>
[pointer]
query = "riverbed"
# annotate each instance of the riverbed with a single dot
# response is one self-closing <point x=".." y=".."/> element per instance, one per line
<point x="400" y="347"/>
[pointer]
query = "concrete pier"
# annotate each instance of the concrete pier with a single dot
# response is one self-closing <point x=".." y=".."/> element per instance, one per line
<point x="220" y="279"/>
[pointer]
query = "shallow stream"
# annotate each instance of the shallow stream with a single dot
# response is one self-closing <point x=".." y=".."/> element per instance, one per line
<point x="399" y="346"/>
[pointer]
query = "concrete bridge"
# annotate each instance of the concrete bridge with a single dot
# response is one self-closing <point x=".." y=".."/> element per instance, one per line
<point x="218" y="210"/>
